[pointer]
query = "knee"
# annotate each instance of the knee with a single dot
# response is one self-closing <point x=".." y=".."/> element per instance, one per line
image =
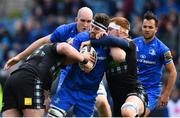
<point x="129" y="109"/>
<point x="101" y="101"/>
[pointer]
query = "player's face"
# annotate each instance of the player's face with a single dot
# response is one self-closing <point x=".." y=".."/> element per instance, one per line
<point x="149" y="29"/>
<point x="119" y="33"/>
<point x="83" y="23"/>
<point x="95" y="31"/>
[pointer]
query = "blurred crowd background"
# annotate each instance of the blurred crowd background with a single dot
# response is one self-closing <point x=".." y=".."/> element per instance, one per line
<point x="24" y="21"/>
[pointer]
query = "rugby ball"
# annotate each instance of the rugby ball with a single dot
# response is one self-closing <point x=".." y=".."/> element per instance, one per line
<point x="88" y="50"/>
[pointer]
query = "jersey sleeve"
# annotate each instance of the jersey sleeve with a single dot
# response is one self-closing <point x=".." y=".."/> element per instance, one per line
<point x="111" y="41"/>
<point x="78" y="39"/>
<point x="59" y="34"/>
<point x="166" y="55"/>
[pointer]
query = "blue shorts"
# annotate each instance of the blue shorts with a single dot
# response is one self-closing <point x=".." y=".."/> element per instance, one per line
<point x="83" y="103"/>
<point x="153" y="95"/>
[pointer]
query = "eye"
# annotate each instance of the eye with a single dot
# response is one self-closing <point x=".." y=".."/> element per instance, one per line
<point x="88" y="21"/>
<point x="82" y="20"/>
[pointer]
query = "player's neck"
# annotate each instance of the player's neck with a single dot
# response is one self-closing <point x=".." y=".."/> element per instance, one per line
<point x="147" y="40"/>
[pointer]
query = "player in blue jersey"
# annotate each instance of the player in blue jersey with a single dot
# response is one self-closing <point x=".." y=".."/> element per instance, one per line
<point x="24" y="90"/>
<point x="129" y="97"/>
<point x="152" y="54"/>
<point x="79" y="89"/>
<point x="64" y="33"/>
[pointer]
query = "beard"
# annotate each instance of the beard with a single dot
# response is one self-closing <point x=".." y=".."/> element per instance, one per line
<point x="92" y="34"/>
<point x="148" y="37"/>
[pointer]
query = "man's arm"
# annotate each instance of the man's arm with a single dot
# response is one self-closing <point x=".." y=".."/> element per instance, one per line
<point x="111" y="41"/>
<point x="71" y="53"/>
<point x="117" y="54"/>
<point x="35" y="45"/>
<point x="73" y="56"/>
<point x="117" y="44"/>
<point x="171" y="81"/>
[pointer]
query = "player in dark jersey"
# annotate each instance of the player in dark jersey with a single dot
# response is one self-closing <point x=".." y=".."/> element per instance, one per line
<point x="64" y="33"/>
<point x="128" y="95"/>
<point x="24" y="89"/>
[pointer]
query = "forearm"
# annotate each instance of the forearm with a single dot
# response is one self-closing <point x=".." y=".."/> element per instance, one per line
<point x="172" y="78"/>
<point x="111" y="41"/>
<point x="35" y="45"/>
<point x="69" y="51"/>
<point x="171" y="82"/>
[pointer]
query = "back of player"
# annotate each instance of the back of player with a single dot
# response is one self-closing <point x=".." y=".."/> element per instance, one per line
<point x="122" y="80"/>
<point x="24" y="89"/>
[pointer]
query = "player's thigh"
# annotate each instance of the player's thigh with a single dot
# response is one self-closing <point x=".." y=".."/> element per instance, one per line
<point x="63" y="100"/>
<point x="84" y="109"/>
<point x="101" y="98"/>
<point x="33" y="112"/>
<point x="85" y="105"/>
<point x="11" y="113"/>
<point x="29" y="91"/>
<point x="152" y="100"/>
<point x="9" y="98"/>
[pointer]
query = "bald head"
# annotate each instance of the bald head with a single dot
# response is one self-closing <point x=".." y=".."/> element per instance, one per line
<point x="84" y="11"/>
<point x="84" y="18"/>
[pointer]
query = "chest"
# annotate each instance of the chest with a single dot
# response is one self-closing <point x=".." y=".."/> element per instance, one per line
<point x="148" y="52"/>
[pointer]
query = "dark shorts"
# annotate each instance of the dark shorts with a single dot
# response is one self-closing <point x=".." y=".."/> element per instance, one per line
<point x="119" y="97"/>
<point x="23" y="90"/>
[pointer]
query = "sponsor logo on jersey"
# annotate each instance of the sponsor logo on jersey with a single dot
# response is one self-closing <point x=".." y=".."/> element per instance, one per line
<point x="167" y="56"/>
<point x="27" y="101"/>
<point x="142" y="56"/>
<point x="146" y="61"/>
<point x="101" y="58"/>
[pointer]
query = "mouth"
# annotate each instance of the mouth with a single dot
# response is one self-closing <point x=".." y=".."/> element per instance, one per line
<point x="84" y="29"/>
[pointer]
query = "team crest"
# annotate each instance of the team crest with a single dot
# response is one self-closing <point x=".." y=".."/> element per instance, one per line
<point x="152" y="52"/>
<point x="168" y="56"/>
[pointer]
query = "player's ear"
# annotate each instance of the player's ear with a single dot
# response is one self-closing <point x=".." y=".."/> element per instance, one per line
<point x="76" y="19"/>
<point x="156" y="29"/>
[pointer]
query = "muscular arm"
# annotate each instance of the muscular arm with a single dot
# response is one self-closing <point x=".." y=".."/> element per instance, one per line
<point x="172" y="78"/>
<point x="111" y="41"/>
<point x="35" y="45"/>
<point x="117" y="45"/>
<point x="27" y="51"/>
<point x="168" y="88"/>
<point x="72" y="54"/>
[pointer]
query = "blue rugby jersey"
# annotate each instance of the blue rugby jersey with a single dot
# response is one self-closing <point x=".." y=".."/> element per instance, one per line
<point x="151" y="57"/>
<point x="64" y="33"/>
<point x="87" y="82"/>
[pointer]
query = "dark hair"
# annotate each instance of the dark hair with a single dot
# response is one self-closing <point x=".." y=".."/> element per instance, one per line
<point x="149" y="15"/>
<point x="102" y="18"/>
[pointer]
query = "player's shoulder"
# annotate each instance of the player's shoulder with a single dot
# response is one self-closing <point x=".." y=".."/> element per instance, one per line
<point x="83" y="35"/>
<point x="159" y="43"/>
<point x="137" y="39"/>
